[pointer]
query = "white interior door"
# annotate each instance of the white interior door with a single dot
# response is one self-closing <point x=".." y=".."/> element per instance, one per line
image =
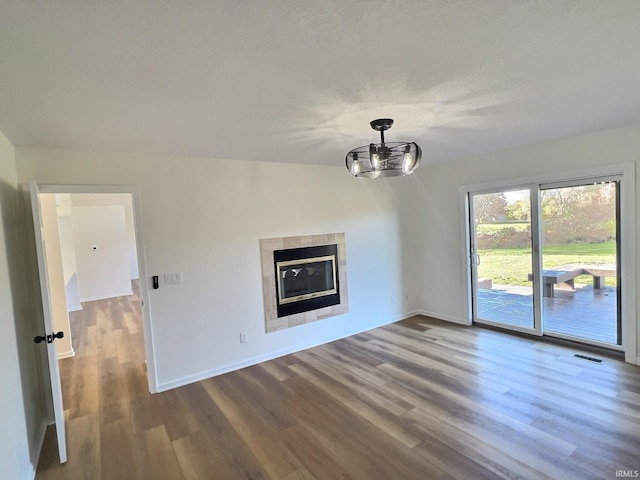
<point x="48" y="334"/>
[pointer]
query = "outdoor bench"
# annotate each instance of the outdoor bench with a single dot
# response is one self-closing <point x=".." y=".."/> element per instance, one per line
<point x="565" y="275"/>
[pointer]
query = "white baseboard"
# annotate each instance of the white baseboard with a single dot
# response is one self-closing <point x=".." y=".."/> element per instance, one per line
<point x="67" y="354"/>
<point x="74" y="308"/>
<point x="441" y="316"/>
<point x="163" y="387"/>
<point x="36" y="449"/>
<point x="109" y="295"/>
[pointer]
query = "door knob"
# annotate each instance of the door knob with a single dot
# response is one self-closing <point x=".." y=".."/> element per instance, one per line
<point x="48" y="338"/>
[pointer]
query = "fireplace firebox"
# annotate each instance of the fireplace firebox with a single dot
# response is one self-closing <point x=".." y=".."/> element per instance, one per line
<point x="304" y="279"/>
<point x="307" y="279"/>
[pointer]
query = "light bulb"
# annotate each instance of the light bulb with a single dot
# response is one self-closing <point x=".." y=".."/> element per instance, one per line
<point x="355" y="167"/>
<point x="375" y="161"/>
<point x="375" y="174"/>
<point x="408" y="161"/>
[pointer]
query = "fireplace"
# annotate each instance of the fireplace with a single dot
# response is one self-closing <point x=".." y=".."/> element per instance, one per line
<point x="304" y="279"/>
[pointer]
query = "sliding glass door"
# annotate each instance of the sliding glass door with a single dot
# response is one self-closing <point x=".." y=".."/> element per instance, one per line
<point x="545" y="260"/>
<point x="502" y="260"/>
<point x="580" y="261"/>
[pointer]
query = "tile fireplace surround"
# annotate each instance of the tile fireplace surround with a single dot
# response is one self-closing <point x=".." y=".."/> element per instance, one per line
<point x="267" y="247"/>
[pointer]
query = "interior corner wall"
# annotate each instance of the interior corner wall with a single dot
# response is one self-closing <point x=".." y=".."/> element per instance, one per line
<point x="204" y="218"/>
<point x="69" y="267"/>
<point x="69" y="264"/>
<point x="131" y="236"/>
<point x="442" y="218"/>
<point x="23" y="414"/>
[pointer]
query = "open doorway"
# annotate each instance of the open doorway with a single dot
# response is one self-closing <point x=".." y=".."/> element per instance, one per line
<point x="91" y="255"/>
<point x="91" y="261"/>
<point x="108" y="360"/>
<point x="123" y="282"/>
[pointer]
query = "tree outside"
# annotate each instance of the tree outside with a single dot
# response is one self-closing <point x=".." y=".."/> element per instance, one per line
<point x="578" y="227"/>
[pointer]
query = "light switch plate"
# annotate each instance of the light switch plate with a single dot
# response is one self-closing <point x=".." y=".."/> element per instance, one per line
<point x="170" y="278"/>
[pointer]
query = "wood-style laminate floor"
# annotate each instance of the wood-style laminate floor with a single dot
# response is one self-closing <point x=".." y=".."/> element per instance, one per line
<point x="418" y="399"/>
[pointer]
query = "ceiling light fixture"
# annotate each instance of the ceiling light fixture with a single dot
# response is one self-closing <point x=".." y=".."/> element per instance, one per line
<point x="378" y="160"/>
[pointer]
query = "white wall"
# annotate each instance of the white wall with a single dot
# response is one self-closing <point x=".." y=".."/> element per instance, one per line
<point x="204" y="218"/>
<point x="67" y="251"/>
<point x="85" y="199"/>
<point x="22" y="405"/>
<point x="65" y="228"/>
<point x="55" y="272"/>
<point x="131" y="241"/>
<point x="69" y="265"/>
<point x="437" y="190"/>
<point x="65" y="203"/>
<point x="102" y="251"/>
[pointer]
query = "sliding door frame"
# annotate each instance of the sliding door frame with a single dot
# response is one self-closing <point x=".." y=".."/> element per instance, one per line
<point x="619" y="296"/>
<point x="536" y="329"/>
<point x="627" y="243"/>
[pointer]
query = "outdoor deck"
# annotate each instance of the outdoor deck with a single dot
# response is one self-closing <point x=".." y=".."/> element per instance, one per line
<point x="585" y="313"/>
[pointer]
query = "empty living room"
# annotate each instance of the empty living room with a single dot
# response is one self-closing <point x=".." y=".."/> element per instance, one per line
<point x="319" y="240"/>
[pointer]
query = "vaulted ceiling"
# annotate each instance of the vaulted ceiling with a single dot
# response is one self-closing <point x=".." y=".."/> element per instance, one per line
<point x="299" y="81"/>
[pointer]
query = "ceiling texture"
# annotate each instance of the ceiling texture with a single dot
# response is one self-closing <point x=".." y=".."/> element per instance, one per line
<point x="299" y="80"/>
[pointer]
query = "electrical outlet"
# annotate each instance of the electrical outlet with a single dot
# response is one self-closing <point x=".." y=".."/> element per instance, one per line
<point x="244" y="337"/>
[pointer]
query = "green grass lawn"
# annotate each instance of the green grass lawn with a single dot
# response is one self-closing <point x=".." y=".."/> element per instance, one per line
<point x="511" y="266"/>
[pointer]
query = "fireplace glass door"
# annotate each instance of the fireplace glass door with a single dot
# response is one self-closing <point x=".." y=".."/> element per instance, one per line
<point x="301" y="280"/>
<point x="306" y="279"/>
